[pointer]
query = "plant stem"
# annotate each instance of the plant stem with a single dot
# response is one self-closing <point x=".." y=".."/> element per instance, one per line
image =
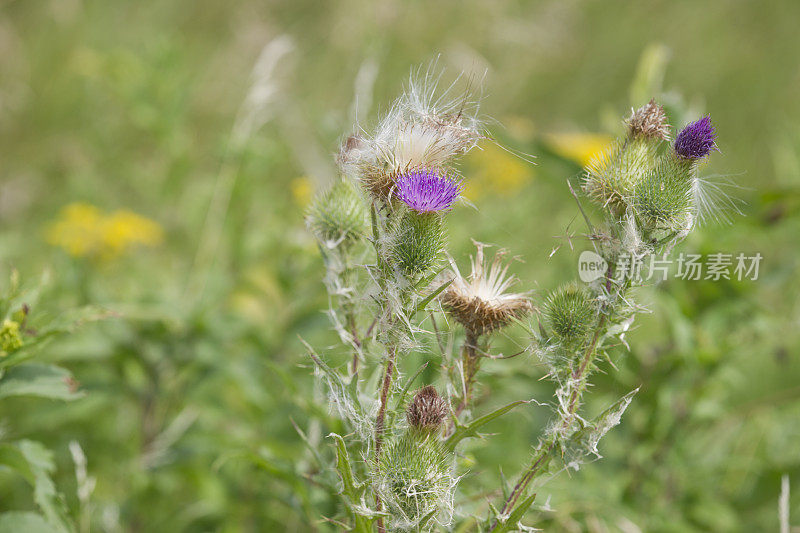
<point x="543" y="454"/>
<point x="379" y="421"/>
<point x="470" y="364"/>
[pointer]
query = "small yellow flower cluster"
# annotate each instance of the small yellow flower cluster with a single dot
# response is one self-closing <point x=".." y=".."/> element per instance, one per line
<point x="84" y="230"/>
<point x="10" y="337"/>
<point x="302" y="190"/>
<point x="579" y="147"/>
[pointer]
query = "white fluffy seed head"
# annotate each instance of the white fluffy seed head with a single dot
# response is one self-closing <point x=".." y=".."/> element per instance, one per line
<point x="422" y="130"/>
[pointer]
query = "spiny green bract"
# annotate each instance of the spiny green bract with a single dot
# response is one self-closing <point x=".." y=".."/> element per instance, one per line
<point x="570" y="313"/>
<point x="664" y="198"/>
<point x="414" y="478"/>
<point x="610" y="178"/>
<point x="417" y="241"/>
<point x="338" y="215"/>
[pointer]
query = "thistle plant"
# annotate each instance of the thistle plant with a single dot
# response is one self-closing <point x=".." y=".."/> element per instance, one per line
<point x="382" y="233"/>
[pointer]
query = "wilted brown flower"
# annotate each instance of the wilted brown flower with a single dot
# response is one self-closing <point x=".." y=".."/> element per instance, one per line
<point x="649" y="121"/>
<point x="427" y="409"/>
<point x="479" y="302"/>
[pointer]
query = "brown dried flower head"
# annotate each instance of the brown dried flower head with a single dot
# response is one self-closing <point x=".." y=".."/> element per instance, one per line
<point x="427" y="409"/>
<point x="649" y="121"/>
<point x="480" y="302"/>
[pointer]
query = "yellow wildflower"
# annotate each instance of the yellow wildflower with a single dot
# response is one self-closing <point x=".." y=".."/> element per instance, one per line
<point x="10" y="337"/>
<point x="579" y="147"/>
<point x="302" y="190"/>
<point x="83" y="230"/>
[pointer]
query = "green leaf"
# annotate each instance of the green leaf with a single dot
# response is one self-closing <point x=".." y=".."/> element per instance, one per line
<point x="471" y="430"/>
<point x="431" y="296"/>
<point x="425" y="280"/>
<point x="511" y="523"/>
<point x="585" y="439"/>
<point x="33" y="379"/>
<point x="19" y="522"/>
<point x="352" y="491"/>
<point x="345" y="471"/>
<point x="35" y="463"/>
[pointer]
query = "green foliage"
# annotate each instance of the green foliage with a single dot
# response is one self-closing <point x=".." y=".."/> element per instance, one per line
<point x="138" y="115"/>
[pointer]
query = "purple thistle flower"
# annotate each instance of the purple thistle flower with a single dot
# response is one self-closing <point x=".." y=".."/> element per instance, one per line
<point x="696" y="140"/>
<point x="427" y="190"/>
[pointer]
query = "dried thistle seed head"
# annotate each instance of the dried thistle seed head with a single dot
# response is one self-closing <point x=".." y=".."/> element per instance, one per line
<point x="429" y="141"/>
<point x="664" y="200"/>
<point x="649" y="121"/>
<point x="696" y="140"/>
<point x="480" y="302"/>
<point x="427" y="190"/>
<point x="570" y="313"/>
<point x="422" y="130"/>
<point x="414" y="479"/>
<point x="338" y="215"/>
<point x="611" y="177"/>
<point x="427" y="410"/>
<point x="416" y="241"/>
<point x="10" y="337"/>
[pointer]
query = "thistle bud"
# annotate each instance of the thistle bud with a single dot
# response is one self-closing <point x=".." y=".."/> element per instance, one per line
<point x="10" y="337"/>
<point x="417" y="242"/>
<point x="649" y="121"/>
<point x="696" y="140"/>
<point x="427" y="410"/>
<point x="570" y="313"/>
<point x="338" y="215"/>
<point x="611" y="177"/>
<point x="664" y="199"/>
<point x="414" y="479"/>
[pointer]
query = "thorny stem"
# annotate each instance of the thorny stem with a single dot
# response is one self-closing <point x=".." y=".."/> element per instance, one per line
<point x="351" y="323"/>
<point x="470" y="364"/>
<point x="544" y="453"/>
<point x="379" y="421"/>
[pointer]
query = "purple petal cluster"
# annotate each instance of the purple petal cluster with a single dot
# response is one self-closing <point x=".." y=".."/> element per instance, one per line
<point x="427" y="190"/>
<point x="696" y="140"/>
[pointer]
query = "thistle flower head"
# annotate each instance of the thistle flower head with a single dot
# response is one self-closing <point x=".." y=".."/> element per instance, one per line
<point x="479" y="301"/>
<point x="414" y="479"/>
<point x="416" y="242"/>
<point x="696" y="140"/>
<point x="612" y="176"/>
<point x="569" y="312"/>
<point x="427" y="190"/>
<point x="664" y="199"/>
<point x="338" y="215"/>
<point x="649" y="121"/>
<point x="427" y="409"/>
<point x="423" y="129"/>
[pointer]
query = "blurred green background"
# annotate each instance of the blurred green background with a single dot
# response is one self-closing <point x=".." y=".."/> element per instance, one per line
<point x="188" y="136"/>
